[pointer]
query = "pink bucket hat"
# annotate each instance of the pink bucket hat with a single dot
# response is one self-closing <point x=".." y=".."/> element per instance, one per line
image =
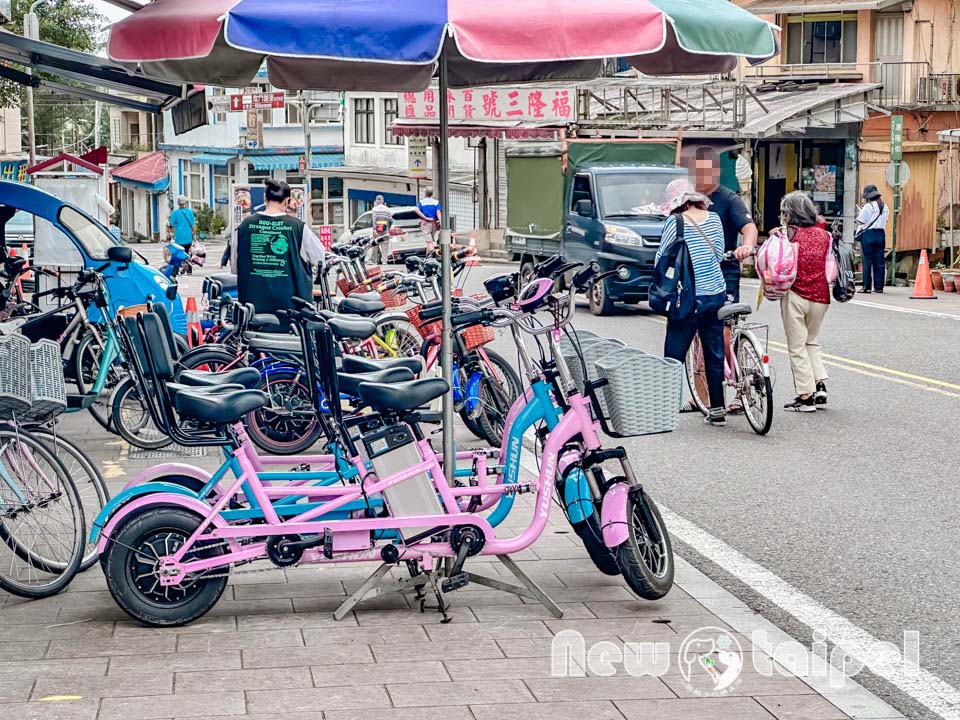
<point x="680" y="191"/>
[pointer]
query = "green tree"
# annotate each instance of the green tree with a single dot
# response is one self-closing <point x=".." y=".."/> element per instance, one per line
<point x="59" y="120"/>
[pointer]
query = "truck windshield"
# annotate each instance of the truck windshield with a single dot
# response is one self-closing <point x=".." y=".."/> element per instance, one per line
<point x="633" y="194"/>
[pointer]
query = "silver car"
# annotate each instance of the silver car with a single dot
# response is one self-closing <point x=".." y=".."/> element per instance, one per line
<point x="405" y="236"/>
<point x="19" y="230"/>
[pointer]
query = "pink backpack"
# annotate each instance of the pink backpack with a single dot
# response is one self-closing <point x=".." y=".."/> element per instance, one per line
<point x="777" y="265"/>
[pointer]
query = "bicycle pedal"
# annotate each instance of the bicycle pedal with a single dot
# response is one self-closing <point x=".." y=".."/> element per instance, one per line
<point x="455" y="582"/>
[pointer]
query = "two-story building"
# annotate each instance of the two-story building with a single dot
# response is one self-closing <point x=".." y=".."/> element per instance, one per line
<point x="908" y="49"/>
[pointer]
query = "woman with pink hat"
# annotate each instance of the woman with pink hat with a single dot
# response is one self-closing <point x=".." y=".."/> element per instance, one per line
<point x="702" y="231"/>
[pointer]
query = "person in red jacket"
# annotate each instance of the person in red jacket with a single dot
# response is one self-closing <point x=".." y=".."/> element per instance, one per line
<point x="804" y="306"/>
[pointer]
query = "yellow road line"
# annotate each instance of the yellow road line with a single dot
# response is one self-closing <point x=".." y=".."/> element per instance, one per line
<point x="838" y="359"/>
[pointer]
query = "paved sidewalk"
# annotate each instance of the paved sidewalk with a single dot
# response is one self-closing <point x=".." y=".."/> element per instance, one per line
<point x="270" y="650"/>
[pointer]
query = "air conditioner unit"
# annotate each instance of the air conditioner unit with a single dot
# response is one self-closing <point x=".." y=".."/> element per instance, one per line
<point x="946" y="88"/>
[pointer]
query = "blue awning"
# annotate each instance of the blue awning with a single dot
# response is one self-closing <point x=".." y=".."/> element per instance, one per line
<point x="213" y="159"/>
<point x="292" y="162"/>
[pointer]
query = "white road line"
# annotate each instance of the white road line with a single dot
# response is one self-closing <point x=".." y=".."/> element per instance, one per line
<point x="917" y="683"/>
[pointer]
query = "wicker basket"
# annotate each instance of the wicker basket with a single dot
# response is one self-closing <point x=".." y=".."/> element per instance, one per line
<point x="345" y="286"/>
<point x="476" y="336"/>
<point x="46" y="373"/>
<point x="15" y="391"/>
<point x="644" y="392"/>
<point x="593" y="348"/>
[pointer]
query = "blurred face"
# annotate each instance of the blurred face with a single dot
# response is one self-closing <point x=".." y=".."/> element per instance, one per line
<point x="706" y="177"/>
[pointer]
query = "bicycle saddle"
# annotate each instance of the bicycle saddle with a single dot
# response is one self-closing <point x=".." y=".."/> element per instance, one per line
<point x="402" y="396"/>
<point x="357" y="364"/>
<point x="218" y="408"/>
<point x="244" y="376"/>
<point x="365" y="308"/>
<point x="366" y="297"/>
<point x="274" y="343"/>
<point x="733" y="309"/>
<point x="350" y="384"/>
<point x="265" y="322"/>
<point x="347" y="328"/>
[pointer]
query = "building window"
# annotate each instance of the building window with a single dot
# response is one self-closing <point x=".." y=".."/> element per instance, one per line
<point x="391" y="110"/>
<point x="293" y="113"/>
<point x="364" y="121"/>
<point x="195" y="184"/>
<point x="219" y="116"/>
<point x="822" y="38"/>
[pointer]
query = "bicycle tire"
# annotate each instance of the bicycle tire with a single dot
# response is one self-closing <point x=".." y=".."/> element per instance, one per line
<point x="93" y="490"/>
<point x="270" y="431"/>
<point x="406" y="340"/>
<point x="210" y="359"/>
<point x="759" y="385"/>
<point x="142" y="433"/>
<point x="635" y="555"/>
<point x="61" y="571"/>
<point x="497" y="395"/>
<point x="695" y="371"/>
<point x="101" y="409"/>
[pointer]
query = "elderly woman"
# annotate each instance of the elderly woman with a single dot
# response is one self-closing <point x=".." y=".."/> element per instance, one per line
<point x="805" y="305"/>
<point x="182" y="225"/>
<point x="703" y="234"/>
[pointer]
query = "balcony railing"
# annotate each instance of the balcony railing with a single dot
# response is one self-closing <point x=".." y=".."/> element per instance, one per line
<point x="905" y="84"/>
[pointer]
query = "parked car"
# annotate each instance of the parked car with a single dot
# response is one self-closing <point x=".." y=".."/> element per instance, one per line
<point x="19" y="230"/>
<point x="405" y="236"/>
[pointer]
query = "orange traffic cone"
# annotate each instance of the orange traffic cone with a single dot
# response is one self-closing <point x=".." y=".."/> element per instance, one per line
<point x="194" y="329"/>
<point x="923" y="287"/>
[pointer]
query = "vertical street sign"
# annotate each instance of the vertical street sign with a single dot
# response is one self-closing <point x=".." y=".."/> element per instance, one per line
<point x="417" y="156"/>
<point x="896" y="157"/>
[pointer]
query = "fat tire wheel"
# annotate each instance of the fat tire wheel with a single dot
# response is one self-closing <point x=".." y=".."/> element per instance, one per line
<point x="600" y="302"/>
<point x="127" y="390"/>
<point x="591" y="536"/>
<point x="645" y="582"/>
<point x="129" y="539"/>
<point x="256" y="421"/>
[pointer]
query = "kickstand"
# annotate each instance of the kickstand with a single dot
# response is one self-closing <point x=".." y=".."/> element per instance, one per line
<point x="442" y="607"/>
<point x="377" y="584"/>
<point x="529" y="589"/>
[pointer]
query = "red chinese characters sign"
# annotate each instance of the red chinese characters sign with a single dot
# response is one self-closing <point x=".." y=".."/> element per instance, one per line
<point x="257" y="101"/>
<point x="546" y="105"/>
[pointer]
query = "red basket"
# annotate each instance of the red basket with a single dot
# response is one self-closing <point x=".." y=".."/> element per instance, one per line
<point x="477" y="336"/>
<point x="392" y="299"/>
<point x="345" y="286"/>
<point x="374" y="271"/>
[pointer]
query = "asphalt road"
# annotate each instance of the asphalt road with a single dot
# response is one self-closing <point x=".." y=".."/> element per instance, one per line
<point x="854" y="505"/>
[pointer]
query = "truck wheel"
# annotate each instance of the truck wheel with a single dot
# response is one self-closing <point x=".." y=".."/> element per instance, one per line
<point x="600" y="302"/>
<point x="526" y="271"/>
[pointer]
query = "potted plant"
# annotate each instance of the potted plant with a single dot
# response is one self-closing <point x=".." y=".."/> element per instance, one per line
<point x="949" y="281"/>
<point x="937" y="276"/>
<point x="209" y="222"/>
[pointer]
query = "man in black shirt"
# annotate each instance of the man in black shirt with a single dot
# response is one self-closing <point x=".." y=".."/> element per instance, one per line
<point x="272" y="254"/>
<point x="704" y="166"/>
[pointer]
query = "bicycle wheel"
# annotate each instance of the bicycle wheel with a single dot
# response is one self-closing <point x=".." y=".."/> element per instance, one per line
<point x="396" y="337"/>
<point x="756" y="390"/>
<point x="131" y="418"/>
<point x="88" y="480"/>
<point x="87" y="368"/>
<point x="210" y="359"/>
<point x="646" y="563"/>
<point x="41" y="518"/>
<point x="696" y="372"/>
<point x="288" y="425"/>
<point x="500" y="386"/>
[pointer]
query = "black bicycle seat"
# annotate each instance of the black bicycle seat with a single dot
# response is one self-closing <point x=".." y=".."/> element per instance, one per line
<point x="733" y="309"/>
<point x="244" y="376"/>
<point x="366" y="297"/>
<point x="274" y="343"/>
<point x="365" y="308"/>
<point x="350" y="384"/>
<point x="402" y="396"/>
<point x="219" y="408"/>
<point x="357" y="364"/>
<point x="265" y="322"/>
<point x="351" y="328"/>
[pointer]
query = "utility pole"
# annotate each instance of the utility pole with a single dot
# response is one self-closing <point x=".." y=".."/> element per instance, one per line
<point x="97" y="111"/>
<point x="31" y="31"/>
<point x="307" y="155"/>
<point x="896" y="157"/>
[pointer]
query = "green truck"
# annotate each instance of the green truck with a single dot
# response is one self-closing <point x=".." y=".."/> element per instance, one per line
<point x="592" y="201"/>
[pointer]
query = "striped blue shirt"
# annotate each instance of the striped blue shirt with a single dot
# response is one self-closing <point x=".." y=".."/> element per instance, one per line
<point x="708" y="278"/>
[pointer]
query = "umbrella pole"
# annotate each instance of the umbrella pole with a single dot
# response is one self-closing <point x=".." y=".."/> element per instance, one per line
<point x="446" y="350"/>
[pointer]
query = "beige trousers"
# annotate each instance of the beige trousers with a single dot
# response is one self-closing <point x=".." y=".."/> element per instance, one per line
<point x="801" y="324"/>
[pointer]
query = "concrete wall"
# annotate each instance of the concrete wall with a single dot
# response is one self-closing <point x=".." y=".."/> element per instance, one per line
<point x="10" y="135"/>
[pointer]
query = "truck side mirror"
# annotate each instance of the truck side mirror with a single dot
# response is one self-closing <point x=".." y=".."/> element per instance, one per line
<point x="585" y="208"/>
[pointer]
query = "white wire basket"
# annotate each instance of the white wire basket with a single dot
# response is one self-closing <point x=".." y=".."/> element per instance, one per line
<point x="49" y="392"/>
<point x="15" y="391"/>
<point x="643" y="394"/>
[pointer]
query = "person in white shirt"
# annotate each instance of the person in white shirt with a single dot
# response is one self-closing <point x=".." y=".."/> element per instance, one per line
<point x="871" y="223"/>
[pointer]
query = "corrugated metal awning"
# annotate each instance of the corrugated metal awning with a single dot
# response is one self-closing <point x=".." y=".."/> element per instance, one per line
<point x="292" y="162"/>
<point x="214" y="159"/>
<point x="794" y="7"/>
<point x="149" y="172"/>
